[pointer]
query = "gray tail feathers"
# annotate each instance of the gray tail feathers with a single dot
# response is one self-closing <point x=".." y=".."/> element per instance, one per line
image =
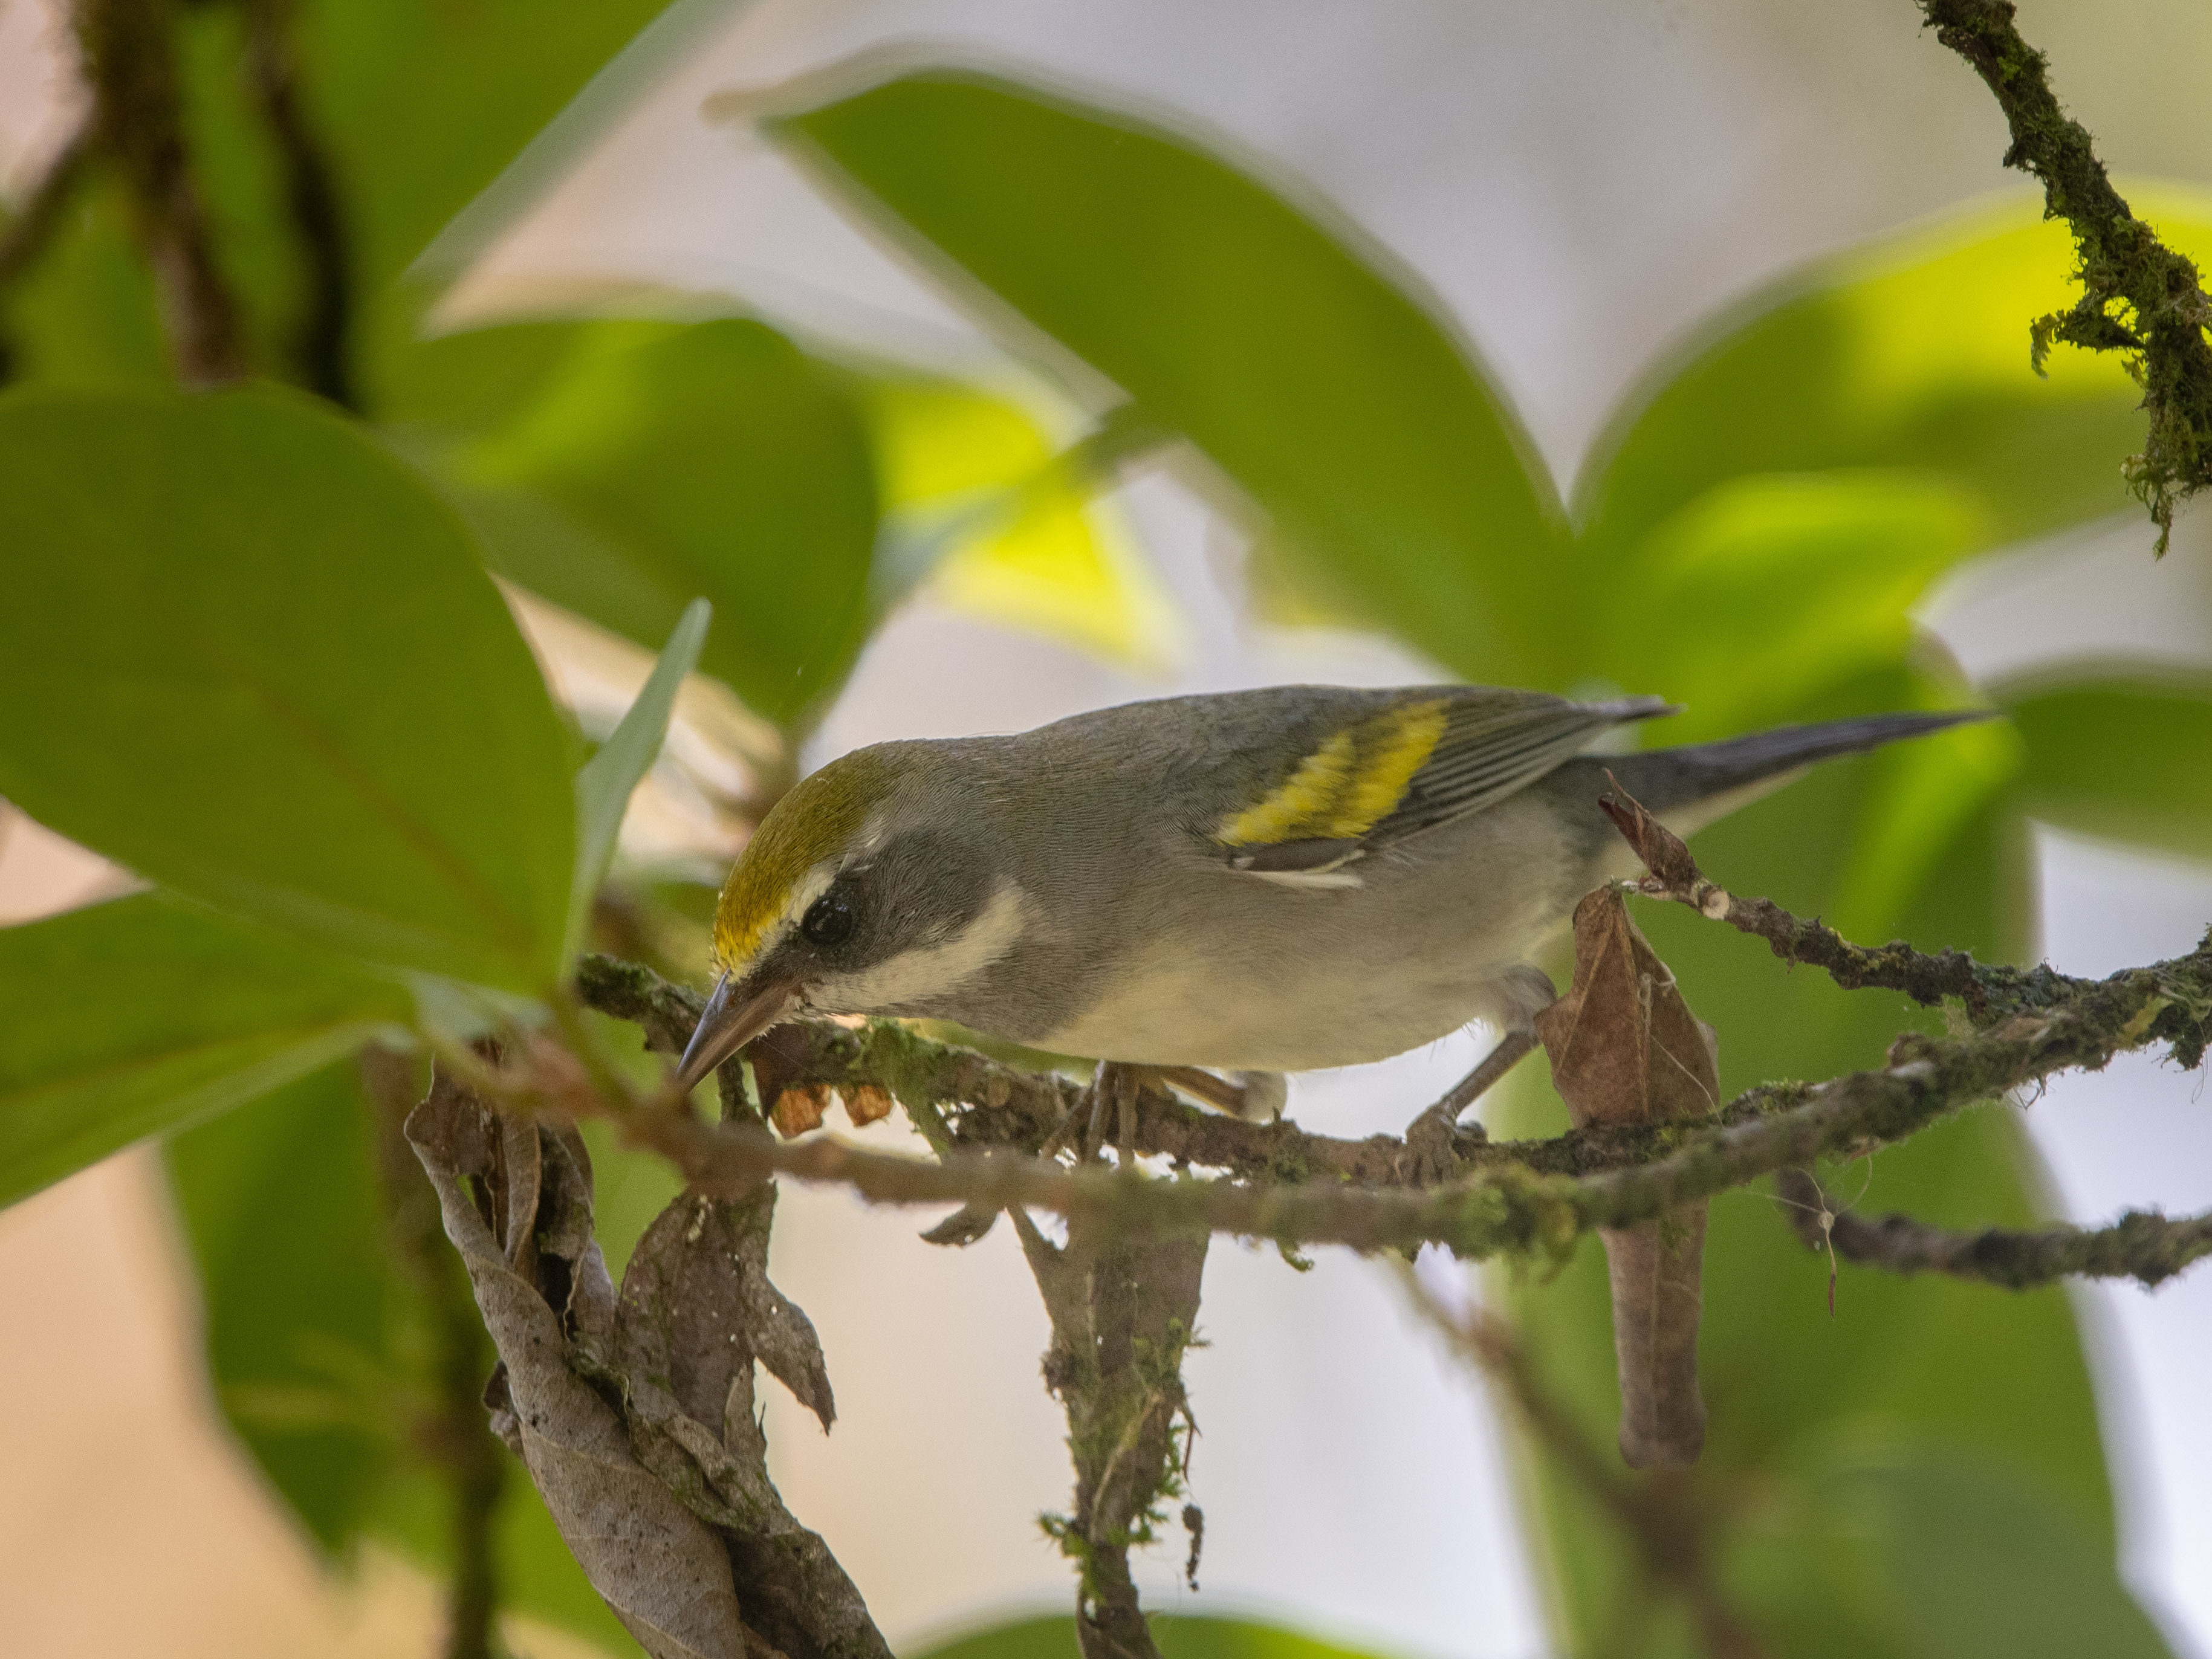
<point x="1668" y="779"/>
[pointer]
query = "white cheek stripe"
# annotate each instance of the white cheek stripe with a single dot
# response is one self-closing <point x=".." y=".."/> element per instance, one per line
<point x="931" y="970"/>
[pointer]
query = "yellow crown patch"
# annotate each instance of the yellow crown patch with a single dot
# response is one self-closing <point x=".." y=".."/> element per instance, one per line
<point x="817" y="819"/>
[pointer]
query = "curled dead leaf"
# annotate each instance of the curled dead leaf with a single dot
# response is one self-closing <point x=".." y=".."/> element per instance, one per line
<point x="662" y="1570"/>
<point x="800" y="1108"/>
<point x="1624" y="1049"/>
<point x="867" y="1104"/>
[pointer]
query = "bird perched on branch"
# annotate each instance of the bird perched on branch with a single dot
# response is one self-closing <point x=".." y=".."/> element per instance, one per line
<point x="1257" y="882"/>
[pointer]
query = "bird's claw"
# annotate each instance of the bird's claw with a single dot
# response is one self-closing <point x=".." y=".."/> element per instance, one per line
<point x="1431" y="1155"/>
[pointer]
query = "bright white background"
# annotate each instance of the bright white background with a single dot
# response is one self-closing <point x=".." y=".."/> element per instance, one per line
<point x="1578" y="183"/>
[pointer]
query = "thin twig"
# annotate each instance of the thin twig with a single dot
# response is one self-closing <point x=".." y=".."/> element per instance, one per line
<point x="44" y="205"/>
<point x="2139" y="297"/>
<point x="311" y="195"/>
<point x="1660" y="1515"/>
<point x="2141" y="1244"/>
<point x="1988" y="991"/>
<point x="130" y="58"/>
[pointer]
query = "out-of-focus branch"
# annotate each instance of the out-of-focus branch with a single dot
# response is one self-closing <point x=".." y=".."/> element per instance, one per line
<point x="27" y="230"/>
<point x="2141" y="1244"/>
<point x="311" y="195"/>
<point x="455" y="1435"/>
<point x="130" y="58"/>
<point x="1660" y="1514"/>
<point x="2138" y="297"/>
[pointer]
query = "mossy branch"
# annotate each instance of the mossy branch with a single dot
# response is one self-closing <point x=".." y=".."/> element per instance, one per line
<point x="2139" y="298"/>
<point x="1532" y="1199"/>
<point x="2141" y="1244"/>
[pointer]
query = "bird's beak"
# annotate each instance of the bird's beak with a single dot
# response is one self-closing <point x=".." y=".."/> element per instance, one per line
<point x="738" y="1012"/>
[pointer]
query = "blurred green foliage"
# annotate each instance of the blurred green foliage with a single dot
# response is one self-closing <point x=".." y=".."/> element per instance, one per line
<point x="272" y="676"/>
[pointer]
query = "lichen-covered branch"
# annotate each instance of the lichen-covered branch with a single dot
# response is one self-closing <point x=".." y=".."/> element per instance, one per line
<point x="2138" y="297"/>
<point x="1123" y="1310"/>
<point x="2141" y="1244"/>
<point x="1988" y="992"/>
<point x="1500" y="1204"/>
<point x="129" y="57"/>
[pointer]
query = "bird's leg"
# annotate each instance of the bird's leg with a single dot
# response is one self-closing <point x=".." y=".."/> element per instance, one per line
<point x="1114" y="1085"/>
<point x="1429" y="1137"/>
<point x="1114" y="1082"/>
<point x="1255" y="1096"/>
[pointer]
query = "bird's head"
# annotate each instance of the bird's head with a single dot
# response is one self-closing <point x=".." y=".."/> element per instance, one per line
<point x="867" y="889"/>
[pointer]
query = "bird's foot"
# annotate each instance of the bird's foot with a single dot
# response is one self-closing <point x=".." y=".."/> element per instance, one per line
<point x="1432" y="1154"/>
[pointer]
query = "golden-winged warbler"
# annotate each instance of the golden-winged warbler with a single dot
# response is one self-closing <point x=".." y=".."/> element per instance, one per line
<point x="1250" y="881"/>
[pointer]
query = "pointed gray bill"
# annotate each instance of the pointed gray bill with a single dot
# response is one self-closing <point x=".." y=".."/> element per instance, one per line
<point x="735" y="1015"/>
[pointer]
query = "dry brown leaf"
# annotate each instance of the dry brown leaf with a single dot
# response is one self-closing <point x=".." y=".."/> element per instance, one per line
<point x="867" y="1104"/>
<point x="1626" y="1050"/>
<point x="800" y="1108"/>
<point x="1659" y="849"/>
<point x="697" y="1311"/>
<point x="663" y="1571"/>
<point x="1624" y="1047"/>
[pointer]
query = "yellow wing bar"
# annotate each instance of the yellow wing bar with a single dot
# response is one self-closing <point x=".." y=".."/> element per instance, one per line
<point x="1348" y="784"/>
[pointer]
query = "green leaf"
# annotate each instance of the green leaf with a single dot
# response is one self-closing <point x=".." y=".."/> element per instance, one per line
<point x="279" y="1206"/>
<point x="1910" y="352"/>
<point x="1985" y="1565"/>
<point x="137" y="1016"/>
<point x="2122" y="754"/>
<point x="709" y="458"/>
<point x="1178" y="1636"/>
<point x="981" y="511"/>
<point x="1767" y="591"/>
<point x="273" y="675"/>
<point x="1394" y="473"/>
<point x="607" y="780"/>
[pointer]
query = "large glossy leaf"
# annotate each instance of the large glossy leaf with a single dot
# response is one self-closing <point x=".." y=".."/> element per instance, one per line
<point x="2124" y="754"/>
<point x="1980" y="1561"/>
<point x="711" y="458"/>
<point x="1912" y="352"/>
<point x="269" y="672"/>
<point x="279" y="1206"/>
<point x="1395" y="475"/>
<point x="134" y="1017"/>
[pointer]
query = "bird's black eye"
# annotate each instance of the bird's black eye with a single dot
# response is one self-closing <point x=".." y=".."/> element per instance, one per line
<point x="828" y="921"/>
